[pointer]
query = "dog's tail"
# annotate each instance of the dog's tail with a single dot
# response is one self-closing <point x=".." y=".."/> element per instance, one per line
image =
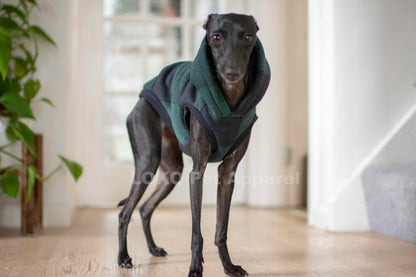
<point x="122" y="202"/>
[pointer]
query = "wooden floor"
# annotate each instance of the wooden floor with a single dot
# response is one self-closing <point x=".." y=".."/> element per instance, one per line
<point x="266" y="242"/>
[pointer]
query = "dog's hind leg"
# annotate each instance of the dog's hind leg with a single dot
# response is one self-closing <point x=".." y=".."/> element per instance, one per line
<point x="144" y="128"/>
<point x="226" y="172"/>
<point x="170" y="170"/>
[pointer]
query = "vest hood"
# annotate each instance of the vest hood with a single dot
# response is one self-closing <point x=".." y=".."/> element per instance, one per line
<point x="208" y="87"/>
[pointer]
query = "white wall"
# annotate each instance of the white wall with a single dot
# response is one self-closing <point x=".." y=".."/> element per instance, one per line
<point x="297" y="100"/>
<point x="362" y="71"/>
<point x="264" y="154"/>
<point x="53" y="72"/>
<point x="283" y="33"/>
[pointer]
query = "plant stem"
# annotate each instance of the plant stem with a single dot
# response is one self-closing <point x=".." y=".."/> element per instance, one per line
<point x="11" y="167"/>
<point x="35" y="42"/>
<point x="50" y="174"/>
<point x="10" y="155"/>
<point x="7" y="145"/>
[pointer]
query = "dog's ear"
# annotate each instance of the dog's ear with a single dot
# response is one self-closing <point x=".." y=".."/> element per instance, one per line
<point x="255" y="22"/>
<point x="206" y="22"/>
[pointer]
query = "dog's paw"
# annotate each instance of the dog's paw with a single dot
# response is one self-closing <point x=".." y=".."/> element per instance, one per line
<point x="196" y="268"/>
<point x="157" y="251"/>
<point x="235" y="270"/>
<point x="125" y="261"/>
<point x="195" y="273"/>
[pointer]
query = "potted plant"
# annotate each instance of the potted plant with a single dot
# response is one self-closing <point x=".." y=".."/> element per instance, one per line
<point x="19" y="89"/>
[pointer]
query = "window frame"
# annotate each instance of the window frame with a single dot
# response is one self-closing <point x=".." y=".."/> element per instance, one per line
<point x="185" y="22"/>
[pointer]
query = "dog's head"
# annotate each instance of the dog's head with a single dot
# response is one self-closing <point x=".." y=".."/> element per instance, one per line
<point x="231" y="38"/>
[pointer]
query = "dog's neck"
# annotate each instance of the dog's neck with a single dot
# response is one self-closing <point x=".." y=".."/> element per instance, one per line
<point x="233" y="92"/>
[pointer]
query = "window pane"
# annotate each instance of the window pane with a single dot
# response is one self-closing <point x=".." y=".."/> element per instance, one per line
<point x="165" y="47"/>
<point x="119" y="7"/>
<point x="201" y="8"/>
<point x="117" y="146"/>
<point x="168" y="8"/>
<point x="123" y="59"/>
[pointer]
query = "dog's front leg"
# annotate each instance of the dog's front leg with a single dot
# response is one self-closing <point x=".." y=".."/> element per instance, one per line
<point x="200" y="150"/>
<point x="226" y="172"/>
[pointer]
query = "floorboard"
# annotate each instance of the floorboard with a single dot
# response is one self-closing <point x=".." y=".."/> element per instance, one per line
<point x="266" y="242"/>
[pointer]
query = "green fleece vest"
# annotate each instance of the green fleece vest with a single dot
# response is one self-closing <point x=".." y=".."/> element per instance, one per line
<point x="186" y="88"/>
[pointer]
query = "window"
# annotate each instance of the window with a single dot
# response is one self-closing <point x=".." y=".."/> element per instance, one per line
<point x="140" y="38"/>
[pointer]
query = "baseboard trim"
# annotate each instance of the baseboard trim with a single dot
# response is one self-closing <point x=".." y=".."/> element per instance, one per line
<point x="319" y="217"/>
<point x="57" y="215"/>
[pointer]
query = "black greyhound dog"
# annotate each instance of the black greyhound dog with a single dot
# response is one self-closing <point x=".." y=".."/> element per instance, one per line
<point x="229" y="43"/>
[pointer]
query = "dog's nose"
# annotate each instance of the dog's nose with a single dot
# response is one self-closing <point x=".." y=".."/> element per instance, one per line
<point x="232" y="76"/>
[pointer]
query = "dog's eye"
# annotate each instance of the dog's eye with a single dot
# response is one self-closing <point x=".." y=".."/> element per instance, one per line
<point x="217" y="38"/>
<point x="248" y="38"/>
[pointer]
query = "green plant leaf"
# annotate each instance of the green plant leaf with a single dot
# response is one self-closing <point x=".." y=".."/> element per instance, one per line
<point x="9" y="85"/>
<point x="31" y="88"/>
<point x="27" y="136"/>
<point x="29" y="57"/>
<point x="31" y="178"/>
<point x="73" y="167"/>
<point x="12" y="9"/>
<point x="48" y="101"/>
<point x="20" y="67"/>
<point x="9" y="183"/>
<point x="20" y="131"/>
<point x="4" y="85"/>
<point x="11" y="27"/>
<point x="14" y="119"/>
<point x="33" y="2"/>
<point x="14" y="86"/>
<point x="11" y="134"/>
<point x="5" y="51"/>
<point x="39" y="31"/>
<point x="23" y="3"/>
<point x="13" y="102"/>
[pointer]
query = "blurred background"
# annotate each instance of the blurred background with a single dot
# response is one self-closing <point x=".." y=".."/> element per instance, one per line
<point x="337" y="119"/>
